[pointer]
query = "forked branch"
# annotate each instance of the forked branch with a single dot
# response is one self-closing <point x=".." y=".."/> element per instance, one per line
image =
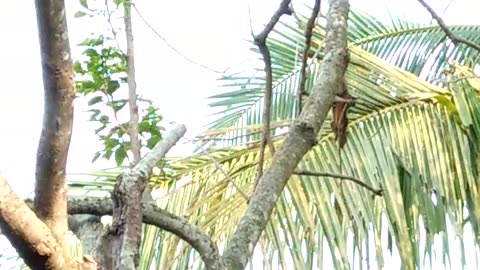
<point x="127" y="213"/>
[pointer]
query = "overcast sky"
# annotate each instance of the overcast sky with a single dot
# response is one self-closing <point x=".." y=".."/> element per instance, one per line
<point x="211" y="32"/>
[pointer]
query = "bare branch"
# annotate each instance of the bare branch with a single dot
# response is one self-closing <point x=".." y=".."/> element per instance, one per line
<point x="153" y="215"/>
<point x="132" y="84"/>
<point x="377" y="192"/>
<point x="301" y="93"/>
<point x="109" y="20"/>
<point x="301" y="137"/>
<point x="151" y="159"/>
<point x="120" y="245"/>
<point x="32" y="239"/>
<point x="261" y="41"/>
<point x="59" y="92"/>
<point x="172" y="47"/>
<point x="455" y="39"/>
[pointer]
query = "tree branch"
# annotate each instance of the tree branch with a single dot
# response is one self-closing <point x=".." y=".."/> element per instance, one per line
<point x="153" y="215"/>
<point x="377" y="192"/>
<point x="455" y="39"/>
<point x="31" y="237"/>
<point x="151" y="159"/>
<point x="132" y="84"/>
<point x="299" y="140"/>
<point x="261" y="41"/>
<point x="301" y="93"/>
<point x="120" y="244"/>
<point x="59" y="92"/>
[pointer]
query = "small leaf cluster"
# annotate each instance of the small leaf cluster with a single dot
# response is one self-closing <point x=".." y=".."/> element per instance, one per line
<point x="101" y="77"/>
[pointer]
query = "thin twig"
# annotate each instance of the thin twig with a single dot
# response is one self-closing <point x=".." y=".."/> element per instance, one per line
<point x="261" y="41"/>
<point x="172" y="47"/>
<point x="308" y="40"/>
<point x="455" y="39"/>
<point x="250" y="19"/>
<point x="109" y="20"/>
<point x="219" y="167"/>
<point x="446" y="7"/>
<point x="377" y="192"/>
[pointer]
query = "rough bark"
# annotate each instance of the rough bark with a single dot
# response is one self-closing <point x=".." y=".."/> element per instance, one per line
<point x="120" y="245"/>
<point x="59" y="88"/>
<point x="299" y="140"/>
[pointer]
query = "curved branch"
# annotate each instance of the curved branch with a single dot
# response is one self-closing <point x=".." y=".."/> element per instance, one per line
<point x="153" y="215"/>
<point x="261" y="41"/>
<point x="377" y="192"/>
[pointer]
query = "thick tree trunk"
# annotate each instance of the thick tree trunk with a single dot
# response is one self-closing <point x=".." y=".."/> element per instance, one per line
<point x="59" y="87"/>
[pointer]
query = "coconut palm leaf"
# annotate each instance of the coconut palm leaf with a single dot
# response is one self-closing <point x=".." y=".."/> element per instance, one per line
<point x="415" y="48"/>
<point x="415" y="148"/>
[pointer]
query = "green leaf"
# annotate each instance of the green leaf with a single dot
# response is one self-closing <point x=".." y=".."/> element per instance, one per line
<point x="84" y="3"/>
<point x="120" y="155"/>
<point x="95" y="100"/>
<point x="79" y="14"/>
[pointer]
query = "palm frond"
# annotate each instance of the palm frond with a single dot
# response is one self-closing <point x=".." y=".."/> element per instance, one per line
<point x="416" y="48"/>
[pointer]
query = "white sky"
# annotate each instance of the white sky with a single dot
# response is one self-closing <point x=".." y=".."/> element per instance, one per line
<point x="211" y="32"/>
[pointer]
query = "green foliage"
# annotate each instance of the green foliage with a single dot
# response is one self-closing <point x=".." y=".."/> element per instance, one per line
<point x="102" y="79"/>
